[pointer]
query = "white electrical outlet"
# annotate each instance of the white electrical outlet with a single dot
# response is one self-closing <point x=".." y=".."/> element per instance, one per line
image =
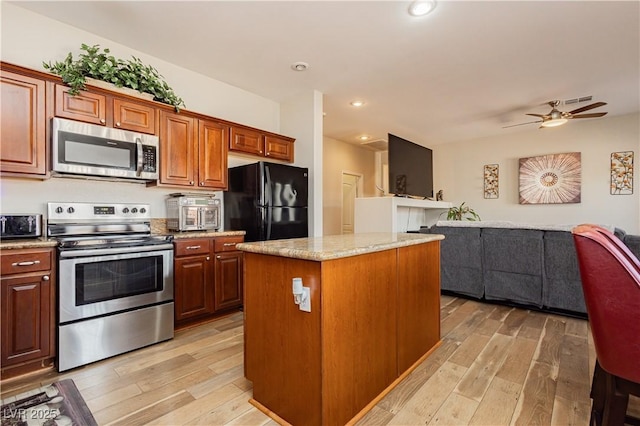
<point x="305" y="305"/>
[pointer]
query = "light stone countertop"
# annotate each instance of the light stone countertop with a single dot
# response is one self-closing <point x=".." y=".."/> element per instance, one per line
<point x="336" y="246"/>
<point x="199" y="234"/>
<point x="159" y="227"/>
<point x="27" y="243"/>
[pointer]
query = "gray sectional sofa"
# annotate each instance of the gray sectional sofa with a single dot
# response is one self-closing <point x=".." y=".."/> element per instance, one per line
<point x="532" y="265"/>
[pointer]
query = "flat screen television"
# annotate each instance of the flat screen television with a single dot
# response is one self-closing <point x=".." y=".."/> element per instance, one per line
<point x="410" y="168"/>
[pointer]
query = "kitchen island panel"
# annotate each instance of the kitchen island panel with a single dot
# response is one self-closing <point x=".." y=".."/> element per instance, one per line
<point x="418" y="302"/>
<point x="358" y="332"/>
<point x="282" y="343"/>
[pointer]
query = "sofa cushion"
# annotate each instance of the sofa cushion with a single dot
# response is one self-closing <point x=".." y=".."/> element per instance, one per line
<point x="512" y="262"/>
<point x="461" y="260"/>
<point x="562" y="287"/>
<point x="633" y="242"/>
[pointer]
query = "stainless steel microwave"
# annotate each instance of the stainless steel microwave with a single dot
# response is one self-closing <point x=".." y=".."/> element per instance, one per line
<point x="87" y="149"/>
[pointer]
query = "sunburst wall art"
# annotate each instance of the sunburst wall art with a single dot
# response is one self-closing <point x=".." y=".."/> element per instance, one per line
<point x="491" y="181"/>
<point x="622" y="173"/>
<point x="551" y="179"/>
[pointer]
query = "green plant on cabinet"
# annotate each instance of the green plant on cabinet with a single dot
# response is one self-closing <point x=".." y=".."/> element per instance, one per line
<point x="97" y="63"/>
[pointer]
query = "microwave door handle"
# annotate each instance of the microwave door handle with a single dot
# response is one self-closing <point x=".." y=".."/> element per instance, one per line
<point x="139" y="162"/>
<point x="201" y="218"/>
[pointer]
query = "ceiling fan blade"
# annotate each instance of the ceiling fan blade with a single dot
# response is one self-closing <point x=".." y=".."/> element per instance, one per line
<point x="587" y="107"/>
<point x="592" y="115"/>
<point x="522" y="124"/>
<point x="537" y="115"/>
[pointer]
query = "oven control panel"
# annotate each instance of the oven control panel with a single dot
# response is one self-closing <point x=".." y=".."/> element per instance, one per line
<point x="65" y="212"/>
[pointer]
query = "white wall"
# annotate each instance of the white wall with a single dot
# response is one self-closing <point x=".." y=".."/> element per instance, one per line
<point x="28" y="39"/>
<point x="341" y="157"/>
<point x="459" y="172"/>
<point x="302" y="119"/>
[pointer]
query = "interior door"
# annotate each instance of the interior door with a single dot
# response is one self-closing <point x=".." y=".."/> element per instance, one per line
<point x="349" y="194"/>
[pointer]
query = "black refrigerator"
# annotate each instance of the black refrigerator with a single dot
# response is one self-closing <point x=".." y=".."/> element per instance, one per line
<point x="268" y="201"/>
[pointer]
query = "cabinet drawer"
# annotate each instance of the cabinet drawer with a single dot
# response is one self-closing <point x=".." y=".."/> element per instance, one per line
<point x="227" y="243"/>
<point x="21" y="261"/>
<point x="192" y="246"/>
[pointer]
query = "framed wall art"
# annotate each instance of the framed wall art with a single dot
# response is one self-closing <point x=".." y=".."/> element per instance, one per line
<point x="491" y="175"/>
<point x="622" y="173"/>
<point x="550" y="179"/>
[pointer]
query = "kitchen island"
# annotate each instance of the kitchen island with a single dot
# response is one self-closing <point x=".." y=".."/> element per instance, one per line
<point x="374" y="315"/>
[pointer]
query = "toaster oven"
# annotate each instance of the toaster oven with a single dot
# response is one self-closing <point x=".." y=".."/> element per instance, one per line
<point x="16" y="226"/>
<point x="193" y="213"/>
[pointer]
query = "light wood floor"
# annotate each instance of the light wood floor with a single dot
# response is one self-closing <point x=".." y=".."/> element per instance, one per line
<point x="496" y="366"/>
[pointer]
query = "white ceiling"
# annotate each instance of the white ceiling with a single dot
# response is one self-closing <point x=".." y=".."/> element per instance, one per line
<point x="463" y="72"/>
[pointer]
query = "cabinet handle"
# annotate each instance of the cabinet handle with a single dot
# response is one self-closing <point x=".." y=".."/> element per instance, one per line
<point x="218" y="257"/>
<point x="208" y="258"/>
<point x="45" y="278"/>
<point x="27" y="263"/>
<point x="201" y="183"/>
<point x="229" y="244"/>
<point x="103" y="121"/>
<point x="118" y="124"/>
<point x="190" y="182"/>
<point x="193" y="247"/>
<point x="267" y="154"/>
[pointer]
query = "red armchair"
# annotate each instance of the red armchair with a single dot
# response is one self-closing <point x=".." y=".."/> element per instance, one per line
<point x="610" y="276"/>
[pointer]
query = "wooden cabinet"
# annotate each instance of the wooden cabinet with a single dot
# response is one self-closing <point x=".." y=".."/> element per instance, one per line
<point x="193" y="153"/>
<point x="228" y="282"/>
<point x="253" y="142"/>
<point x="279" y="148"/>
<point x="207" y="277"/>
<point x="22" y="124"/>
<point x="193" y="278"/>
<point x="212" y="154"/>
<point x="28" y="307"/>
<point x="105" y="110"/>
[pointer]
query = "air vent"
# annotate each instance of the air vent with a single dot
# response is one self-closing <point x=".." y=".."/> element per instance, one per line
<point x="578" y="100"/>
<point x="376" y="145"/>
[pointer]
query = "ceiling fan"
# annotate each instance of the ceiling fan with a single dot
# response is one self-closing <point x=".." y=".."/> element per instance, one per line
<point x="557" y="118"/>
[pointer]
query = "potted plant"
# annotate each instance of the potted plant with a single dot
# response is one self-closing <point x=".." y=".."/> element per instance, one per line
<point x="459" y="213"/>
<point x="98" y="64"/>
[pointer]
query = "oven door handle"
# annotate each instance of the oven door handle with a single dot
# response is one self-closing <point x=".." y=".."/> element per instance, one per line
<point x="108" y="251"/>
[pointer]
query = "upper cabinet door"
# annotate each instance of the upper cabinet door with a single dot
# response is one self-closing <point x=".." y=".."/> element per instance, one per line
<point x="212" y="159"/>
<point x="246" y="140"/>
<point x="278" y="148"/>
<point x="22" y="124"/>
<point x="178" y="149"/>
<point x="87" y="107"/>
<point x="133" y="116"/>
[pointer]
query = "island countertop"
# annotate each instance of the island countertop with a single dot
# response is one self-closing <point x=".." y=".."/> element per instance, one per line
<point x="336" y="246"/>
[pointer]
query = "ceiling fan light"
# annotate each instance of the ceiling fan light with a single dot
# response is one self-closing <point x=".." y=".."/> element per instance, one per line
<point x="554" y="122"/>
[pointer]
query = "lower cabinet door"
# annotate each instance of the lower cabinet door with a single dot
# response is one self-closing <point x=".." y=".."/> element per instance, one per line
<point x="193" y="287"/>
<point x="228" y="293"/>
<point x="26" y="318"/>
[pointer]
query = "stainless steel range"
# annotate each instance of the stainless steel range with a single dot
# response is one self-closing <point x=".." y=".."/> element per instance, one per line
<point x="115" y="280"/>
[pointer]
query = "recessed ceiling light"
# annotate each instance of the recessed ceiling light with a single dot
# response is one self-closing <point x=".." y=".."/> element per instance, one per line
<point x="422" y="7"/>
<point x="357" y="103"/>
<point x="363" y="138"/>
<point x="299" y="66"/>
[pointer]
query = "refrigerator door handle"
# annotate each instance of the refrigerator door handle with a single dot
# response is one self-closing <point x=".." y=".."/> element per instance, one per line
<point x="267" y="191"/>
<point x="269" y="216"/>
